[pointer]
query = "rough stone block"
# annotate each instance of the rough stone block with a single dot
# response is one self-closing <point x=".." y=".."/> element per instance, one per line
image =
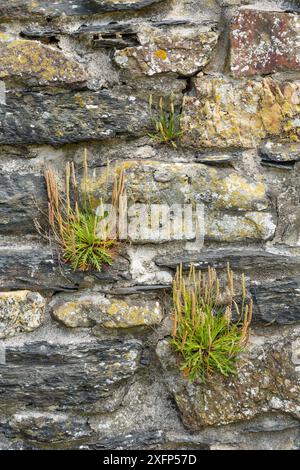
<point x="183" y="51"/>
<point x="47" y="427"/>
<point x="37" y="117"/>
<point x="264" y="42"/>
<point x="241" y="260"/>
<point x="230" y="206"/>
<point x="70" y="375"/>
<point x="27" y="8"/>
<point x="280" y="154"/>
<point x="227" y="113"/>
<point x="107" y="311"/>
<point x="23" y="197"/>
<point x="20" y="311"/>
<point x="36" y="63"/>
<point x="35" y="266"/>
<point x="277" y="302"/>
<point x="267" y="381"/>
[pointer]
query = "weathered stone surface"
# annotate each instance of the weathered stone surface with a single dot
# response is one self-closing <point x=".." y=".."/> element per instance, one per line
<point x="183" y="51"/>
<point x="267" y="381"/>
<point x="35" y="266"/>
<point x="36" y="63"/>
<point x="112" y="34"/>
<point x="169" y="183"/>
<point x="158" y="187"/>
<point x="47" y="427"/>
<point x="20" y="311"/>
<point x="27" y="8"/>
<point x="289" y="216"/>
<point x="280" y="153"/>
<point x="71" y="375"/>
<point x="227" y="113"/>
<point x="264" y="42"/>
<point x="240" y="259"/>
<point x="158" y="86"/>
<point x="70" y="117"/>
<point x="107" y="311"/>
<point x="277" y="302"/>
<point x="135" y="440"/>
<point x="23" y="197"/>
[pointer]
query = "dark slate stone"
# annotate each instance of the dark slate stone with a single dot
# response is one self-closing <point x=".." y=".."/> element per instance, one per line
<point x="39" y="118"/>
<point x="25" y="8"/>
<point x="71" y="375"/>
<point x="241" y="260"/>
<point x="23" y="197"/>
<point x="277" y="302"/>
<point x="36" y="267"/>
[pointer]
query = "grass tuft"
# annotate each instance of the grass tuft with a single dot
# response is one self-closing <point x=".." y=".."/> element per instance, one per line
<point x="166" y="124"/>
<point x="75" y="224"/>
<point x="204" y="333"/>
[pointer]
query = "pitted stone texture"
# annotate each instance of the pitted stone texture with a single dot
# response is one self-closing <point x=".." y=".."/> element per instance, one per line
<point x="267" y="381"/>
<point x="107" y="311"/>
<point x="76" y="375"/>
<point x="228" y="113"/>
<point x="183" y="51"/>
<point x="26" y="8"/>
<point x="20" y="311"/>
<point x="36" y="63"/>
<point x="264" y="42"/>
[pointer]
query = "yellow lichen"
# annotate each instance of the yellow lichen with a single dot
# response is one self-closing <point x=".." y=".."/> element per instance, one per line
<point x="29" y="58"/>
<point x="161" y="54"/>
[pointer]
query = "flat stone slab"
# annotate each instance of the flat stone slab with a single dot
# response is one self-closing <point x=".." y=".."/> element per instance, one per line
<point x="239" y="259"/>
<point x="45" y="426"/>
<point x="227" y="113"/>
<point x="20" y="311"/>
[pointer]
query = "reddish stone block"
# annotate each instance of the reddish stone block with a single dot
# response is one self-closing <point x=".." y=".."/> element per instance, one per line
<point x="264" y="42"/>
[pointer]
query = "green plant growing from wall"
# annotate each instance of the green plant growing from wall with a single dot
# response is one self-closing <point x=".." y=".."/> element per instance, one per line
<point x="204" y="333"/>
<point x="166" y="123"/>
<point x="74" y="222"/>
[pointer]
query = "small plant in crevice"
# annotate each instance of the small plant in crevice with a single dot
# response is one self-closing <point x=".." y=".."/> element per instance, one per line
<point x="204" y="334"/>
<point x="166" y="123"/>
<point x="75" y="223"/>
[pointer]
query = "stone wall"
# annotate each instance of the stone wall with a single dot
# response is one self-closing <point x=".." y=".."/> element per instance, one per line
<point x="84" y="358"/>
